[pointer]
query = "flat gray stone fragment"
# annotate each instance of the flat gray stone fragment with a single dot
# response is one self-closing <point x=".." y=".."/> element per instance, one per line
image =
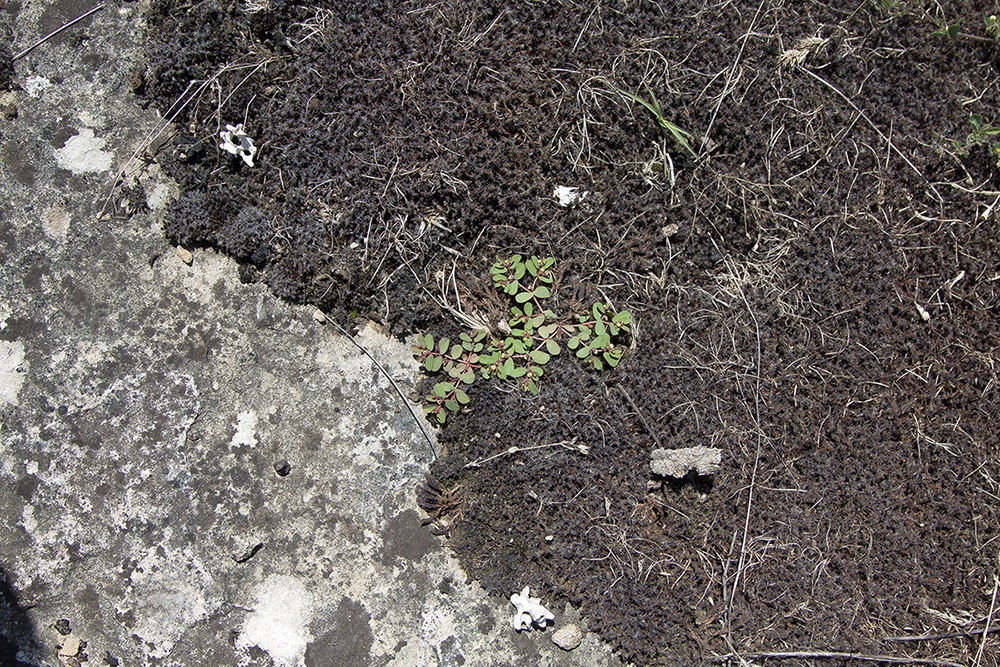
<point x="679" y="462"/>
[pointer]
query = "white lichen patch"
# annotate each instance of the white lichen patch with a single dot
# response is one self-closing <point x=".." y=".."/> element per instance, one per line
<point x="246" y="429"/>
<point x="36" y="85"/>
<point x="279" y="623"/>
<point x="84" y="153"/>
<point x="169" y="592"/>
<point x="12" y="371"/>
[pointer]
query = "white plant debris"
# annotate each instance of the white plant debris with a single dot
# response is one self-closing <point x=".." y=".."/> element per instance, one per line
<point x="530" y="613"/>
<point x="567" y="196"/>
<point x="236" y="142"/>
<point x="678" y="462"/>
<point x="805" y="48"/>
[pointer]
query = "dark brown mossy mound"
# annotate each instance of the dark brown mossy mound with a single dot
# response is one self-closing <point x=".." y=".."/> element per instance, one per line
<point x="825" y="310"/>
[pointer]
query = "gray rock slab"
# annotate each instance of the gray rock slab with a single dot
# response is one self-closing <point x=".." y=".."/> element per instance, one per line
<point x="191" y="471"/>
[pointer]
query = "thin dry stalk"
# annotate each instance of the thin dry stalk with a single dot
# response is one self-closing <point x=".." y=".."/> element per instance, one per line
<point x="892" y="146"/>
<point x="833" y="655"/>
<point x="58" y="30"/>
<point x="756" y="462"/>
<point x="989" y="620"/>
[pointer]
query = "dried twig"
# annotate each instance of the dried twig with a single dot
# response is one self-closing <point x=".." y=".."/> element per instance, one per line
<point x="514" y="449"/>
<point x="944" y="635"/>
<point x="835" y="655"/>
<point x="727" y="88"/>
<point x="58" y="30"/>
<point x="989" y="619"/>
<point x="756" y="461"/>
<point x="642" y="419"/>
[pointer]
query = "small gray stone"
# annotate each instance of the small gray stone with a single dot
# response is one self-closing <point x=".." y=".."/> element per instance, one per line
<point x="568" y="637"/>
<point x="678" y="462"/>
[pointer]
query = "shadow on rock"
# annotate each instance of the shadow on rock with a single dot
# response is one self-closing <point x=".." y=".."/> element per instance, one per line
<point x="17" y="632"/>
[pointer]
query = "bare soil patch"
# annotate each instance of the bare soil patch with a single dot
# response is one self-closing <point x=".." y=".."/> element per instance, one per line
<point x="825" y="309"/>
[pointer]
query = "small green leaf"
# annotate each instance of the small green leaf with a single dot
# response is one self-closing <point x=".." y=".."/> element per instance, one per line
<point x="547" y="330"/>
<point x="532" y="266"/>
<point x="542" y="292"/>
<point x="451" y="405"/>
<point x="468" y="377"/>
<point x="442" y="389"/>
<point x="599" y="328"/>
<point x="552" y="347"/>
<point x="433" y="364"/>
<point x="583" y="352"/>
<point x="539" y="357"/>
<point x="612" y="359"/>
<point x="573" y="342"/>
<point x="536" y="321"/>
<point x="518" y="372"/>
<point x="529" y="309"/>
<point x="442" y="416"/>
<point x="461" y="396"/>
<point x="456" y="351"/>
<point x="601" y="341"/>
<point x="623" y="318"/>
<point x="443" y="345"/>
<point x="597" y="363"/>
<point x="508" y="366"/>
<point x="522" y="297"/>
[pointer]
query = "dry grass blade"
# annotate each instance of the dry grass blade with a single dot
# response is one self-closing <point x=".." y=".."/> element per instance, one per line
<point x="834" y="655"/>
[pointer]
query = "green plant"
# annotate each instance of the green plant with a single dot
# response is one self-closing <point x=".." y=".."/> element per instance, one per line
<point x="983" y="134"/>
<point x="679" y="135"/>
<point x="892" y="9"/>
<point x="532" y="339"/>
<point x="992" y="24"/>
<point x="946" y="30"/>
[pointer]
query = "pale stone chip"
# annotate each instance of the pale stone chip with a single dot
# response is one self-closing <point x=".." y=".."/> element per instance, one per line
<point x="678" y="462"/>
<point x="568" y="637"/>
